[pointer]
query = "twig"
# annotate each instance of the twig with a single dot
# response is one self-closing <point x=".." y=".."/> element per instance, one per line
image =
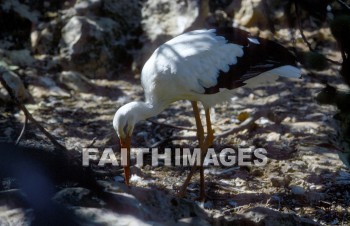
<point x="344" y="4"/>
<point x="23" y="129"/>
<point x="92" y="142"/>
<point x="244" y="125"/>
<point x="333" y="61"/>
<point x="29" y="116"/>
<point x="267" y="13"/>
<point x="172" y="139"/>
<point x="297" y="11"/>
<point x="172" y="126"/>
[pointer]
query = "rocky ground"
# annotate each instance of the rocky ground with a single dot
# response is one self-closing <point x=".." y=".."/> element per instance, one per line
<point x="305" y="181"/>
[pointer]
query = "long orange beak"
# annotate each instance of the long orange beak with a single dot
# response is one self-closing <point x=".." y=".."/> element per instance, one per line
<point x="126" y="144"/>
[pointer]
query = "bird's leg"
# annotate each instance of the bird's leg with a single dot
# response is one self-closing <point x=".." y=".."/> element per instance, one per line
<point x="200" y="136"/>
<point x="127" y="169"/>
<point x="200" y="130"/>
<point x="204" y="145"/>
<point x="126" y="144"/>
<point x="207" y="143"/>
<point x="210" y="132"/>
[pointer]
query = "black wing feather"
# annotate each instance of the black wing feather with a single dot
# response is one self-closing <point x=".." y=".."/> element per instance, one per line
<point x="258" y="57"/>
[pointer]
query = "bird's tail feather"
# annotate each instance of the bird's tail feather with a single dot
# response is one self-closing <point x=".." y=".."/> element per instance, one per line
<point x="286" y="71"/>
<point x="271" y="76"/>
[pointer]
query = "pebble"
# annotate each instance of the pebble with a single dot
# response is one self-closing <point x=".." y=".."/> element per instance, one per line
<point x="273" y="136"/>
<point x="297" y="190"/>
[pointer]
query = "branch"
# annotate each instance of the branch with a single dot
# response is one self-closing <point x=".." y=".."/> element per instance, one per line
<point x="29" y="116"/>
<point x="333" y="61"/>
<point x="344" y="4"/>
<point x="267" y="13"/>
<point x="23" y="129"/>
<point x="297" y="12"/>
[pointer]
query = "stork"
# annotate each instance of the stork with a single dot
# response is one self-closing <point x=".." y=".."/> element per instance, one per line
<point x="202" y="66"/>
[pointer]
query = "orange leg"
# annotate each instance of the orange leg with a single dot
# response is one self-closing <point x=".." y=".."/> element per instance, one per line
<point x="126" y="144"/>
<point x="200" y="136"/>
<point x="200" y="130"/>
<point x="204" y="145"/>
<point x="204" y="149"/>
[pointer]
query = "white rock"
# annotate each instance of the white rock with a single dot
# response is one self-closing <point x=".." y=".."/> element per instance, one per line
<point x="135" y="178"/>
<point x="158" y="17"/>
<point x="273" y="136"/>
<point x="163" y="19"/>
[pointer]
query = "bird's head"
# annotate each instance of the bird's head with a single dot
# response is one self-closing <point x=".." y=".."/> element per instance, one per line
<point x="124" y="122"/>
<point x="128" y="115"/>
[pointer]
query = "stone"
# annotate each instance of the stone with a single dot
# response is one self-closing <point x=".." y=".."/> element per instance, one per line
<point x="95" y="37"/>
<point x="77" y="196"/>
<point x="76" y="81"/>
<point x="14" y="208"/>
<point x="16" y="85"/>
<point x="250" y="13"/>
<point x="88" y="43"/>
<point x="315" y="197"/>
<point x="84" y="7"/>
<point x="22" y="9"/>
<point x="21" y="57"/>
<point x="131" y="206"/>
<point x="127" y="12"/>
<point x="264" y="216"/>
<point x="97" y="216"/>
<point x="46" y="86"/>
<point x="273" y="136"/>
<point x="14" y="13"/>
<point x="277" y="181"/>
<point x="45" y="37"/>
<point x="297" y="190"/>
<point x="193" y="221"/>
<point x="159" y="25"/>
<point x="158" y="17"/>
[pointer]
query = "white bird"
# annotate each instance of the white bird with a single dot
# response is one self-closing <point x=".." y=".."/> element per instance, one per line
<point x="202" y="66"/>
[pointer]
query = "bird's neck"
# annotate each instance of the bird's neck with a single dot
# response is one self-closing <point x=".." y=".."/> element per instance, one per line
<point x="145" y="110"/>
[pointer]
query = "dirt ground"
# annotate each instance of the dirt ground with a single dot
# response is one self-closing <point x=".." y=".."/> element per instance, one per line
<point x="304" y="174"/>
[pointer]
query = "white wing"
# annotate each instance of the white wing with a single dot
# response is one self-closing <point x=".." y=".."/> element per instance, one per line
<point x="191" y="60"/>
